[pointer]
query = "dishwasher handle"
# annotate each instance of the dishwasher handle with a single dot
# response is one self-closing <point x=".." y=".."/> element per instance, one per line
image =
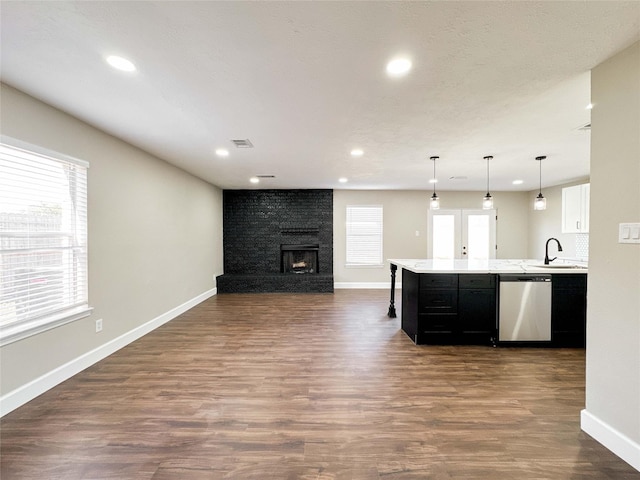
<point x="524" y="278"/>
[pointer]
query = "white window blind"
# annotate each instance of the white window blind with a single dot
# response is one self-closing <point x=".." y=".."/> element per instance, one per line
<point x="43" y="240"/>
<point x="364" y="235"/>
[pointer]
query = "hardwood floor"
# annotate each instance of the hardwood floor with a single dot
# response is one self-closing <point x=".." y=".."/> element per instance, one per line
<point x="325" y="386"/>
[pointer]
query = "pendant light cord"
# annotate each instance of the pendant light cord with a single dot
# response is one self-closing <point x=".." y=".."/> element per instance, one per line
<point x="434" y="173"/>
<point x="434" y="176"/>
<point x="540" y="162"/>
<point x="488" y="158"/>
<point x="539" y="159"/>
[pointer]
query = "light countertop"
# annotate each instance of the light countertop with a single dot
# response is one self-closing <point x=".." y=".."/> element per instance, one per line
<point x="418" y="265"/>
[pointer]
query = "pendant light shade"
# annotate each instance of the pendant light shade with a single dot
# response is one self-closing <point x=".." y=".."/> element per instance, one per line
<point x="487" y="201"/>
<point x="540" y="203"/>
<point x="435" y="200"/>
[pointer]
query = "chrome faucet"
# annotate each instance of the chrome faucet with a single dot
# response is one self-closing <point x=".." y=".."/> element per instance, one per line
<point x="547" y="260"/>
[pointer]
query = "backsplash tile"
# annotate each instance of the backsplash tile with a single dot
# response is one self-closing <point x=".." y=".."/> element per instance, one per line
<point x="582" y="245"/>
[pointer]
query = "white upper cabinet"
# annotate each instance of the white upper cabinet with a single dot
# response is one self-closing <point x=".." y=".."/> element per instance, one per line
<point x="575" y="209"/>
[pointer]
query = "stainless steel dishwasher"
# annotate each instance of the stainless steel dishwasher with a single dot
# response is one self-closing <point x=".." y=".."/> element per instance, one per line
<point x="525" y="308"/>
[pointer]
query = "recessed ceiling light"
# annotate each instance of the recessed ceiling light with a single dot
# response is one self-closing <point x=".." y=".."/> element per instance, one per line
<point x="356" y="152"/>
<point x="398" y="67"/>
<point x="121" y="63"/>
<point x="222" y="152"/>
<point x="433" y="180"/>
<point x="342" y="180"/>
<point x="254" y="180"/>
<point x="518" y="182"/>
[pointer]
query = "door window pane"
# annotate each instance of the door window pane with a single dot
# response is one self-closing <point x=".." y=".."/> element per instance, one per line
<point x="444" y="237"/>
<point x="478" y="237"/>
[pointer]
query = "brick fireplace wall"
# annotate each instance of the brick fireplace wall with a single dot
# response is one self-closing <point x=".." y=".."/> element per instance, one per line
<point x="257" y="222"/>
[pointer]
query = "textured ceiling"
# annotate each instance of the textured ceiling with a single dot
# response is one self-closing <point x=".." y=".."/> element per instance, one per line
<point x="306" y="83"/>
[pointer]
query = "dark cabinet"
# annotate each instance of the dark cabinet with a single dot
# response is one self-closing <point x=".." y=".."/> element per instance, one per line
<point x="568" y="310"/>
<point x="437" y="308"/>
<point x="409" y="315"/>
<point x="477" y="314"/>
<point x="450" y="309"/>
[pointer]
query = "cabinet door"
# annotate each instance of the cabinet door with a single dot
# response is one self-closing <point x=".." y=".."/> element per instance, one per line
<point x="437" y="329"/>
<point x="571" y="209"/>
<point x="586" y="196"/>
<point x="438" y="301"/>
<point x="569" y="310"/>
<point x="437" y="323"/>
<point x="575" y="209"/>
<point x="477" y="312"/>
<point x="430" y="281"/>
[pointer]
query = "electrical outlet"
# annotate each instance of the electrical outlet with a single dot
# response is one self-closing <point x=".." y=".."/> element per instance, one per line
<point x="98" y="325"/>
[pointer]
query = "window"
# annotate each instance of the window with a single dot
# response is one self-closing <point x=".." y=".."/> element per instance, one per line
<point x="364" y="235"/>
<point x="43" y="240"/>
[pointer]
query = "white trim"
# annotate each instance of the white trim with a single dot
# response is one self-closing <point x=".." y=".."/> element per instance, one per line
<point x="624" y="447"/>
<point x="14" y="332"/>
<point x="41" y="151"/>
<point x="372" y="285"/>
<point x="38" y="386"/>
<point x="364" y="265"/>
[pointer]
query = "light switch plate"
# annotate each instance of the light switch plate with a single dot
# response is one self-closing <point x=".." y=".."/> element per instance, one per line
<point x="629" y="233"/>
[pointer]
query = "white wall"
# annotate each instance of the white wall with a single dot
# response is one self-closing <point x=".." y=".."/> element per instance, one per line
<point x="155" y="238"/>
<point x="612" y="413"/>
<point x="405" y="212"/>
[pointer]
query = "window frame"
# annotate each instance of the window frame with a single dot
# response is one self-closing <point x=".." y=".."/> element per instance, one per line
<point x="349" y="235"/>
<point x="68" y="312"/>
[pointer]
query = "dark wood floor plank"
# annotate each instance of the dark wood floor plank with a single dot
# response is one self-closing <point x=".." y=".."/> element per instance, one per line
<point x="304" y="386"/>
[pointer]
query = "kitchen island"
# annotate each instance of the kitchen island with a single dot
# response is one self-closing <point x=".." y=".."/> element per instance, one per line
<point x="459" y="302"/>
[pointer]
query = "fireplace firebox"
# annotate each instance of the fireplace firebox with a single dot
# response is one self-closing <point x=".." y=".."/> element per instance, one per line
<point x="299" y="259"/>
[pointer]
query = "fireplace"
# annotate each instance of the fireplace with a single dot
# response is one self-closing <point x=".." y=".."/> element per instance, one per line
<point x="299" y="259"/>
<point x="277" y="241"/>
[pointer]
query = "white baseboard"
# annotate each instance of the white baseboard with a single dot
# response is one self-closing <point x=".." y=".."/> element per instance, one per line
<point x="623" y="446"/>
<point x="373" y="285"/>
<point x="31" y="390"/>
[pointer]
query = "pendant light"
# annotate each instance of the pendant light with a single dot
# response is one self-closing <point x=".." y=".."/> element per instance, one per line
<point x="435" y="200"/>
<point x="540" y="203"/>
<point x="487" y="201"/>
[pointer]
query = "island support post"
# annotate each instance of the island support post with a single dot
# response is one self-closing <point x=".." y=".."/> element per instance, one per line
<point x="392" y="306"/>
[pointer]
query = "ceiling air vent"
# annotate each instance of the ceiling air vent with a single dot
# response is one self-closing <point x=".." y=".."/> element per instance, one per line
<point x="458" y="179"/>
<point x="266" y="176"/>
<point x="242" y="143"/>
<point x="586" y="127"/>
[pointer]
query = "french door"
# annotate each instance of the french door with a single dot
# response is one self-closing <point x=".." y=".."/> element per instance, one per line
<point x="462" y="234"/>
